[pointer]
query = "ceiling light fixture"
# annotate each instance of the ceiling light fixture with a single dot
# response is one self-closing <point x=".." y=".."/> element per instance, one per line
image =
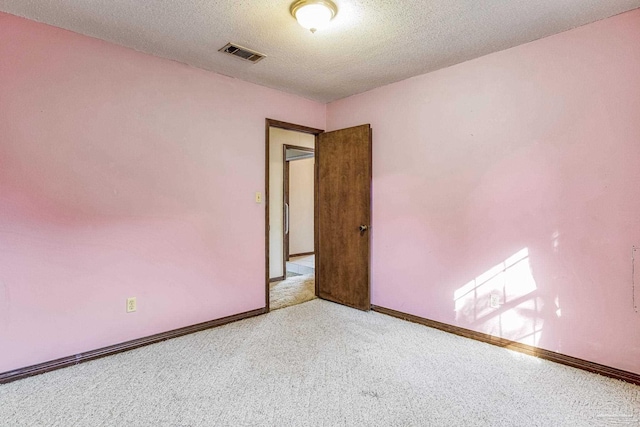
<point x="313" y="14"/>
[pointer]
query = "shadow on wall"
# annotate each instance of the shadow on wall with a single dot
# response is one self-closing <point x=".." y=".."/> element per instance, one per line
<point x="504" y="301"/>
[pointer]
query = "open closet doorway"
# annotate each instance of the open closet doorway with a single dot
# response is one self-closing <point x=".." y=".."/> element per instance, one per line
<point x="290" y="214"/>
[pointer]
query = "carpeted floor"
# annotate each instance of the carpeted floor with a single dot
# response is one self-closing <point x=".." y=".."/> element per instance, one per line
<point x="292" y="274"/>
<point x="291" y="291"/>
<point x="319" y="364"/>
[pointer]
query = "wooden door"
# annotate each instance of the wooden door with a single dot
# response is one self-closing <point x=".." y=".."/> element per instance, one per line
<point x="343" y="216"/>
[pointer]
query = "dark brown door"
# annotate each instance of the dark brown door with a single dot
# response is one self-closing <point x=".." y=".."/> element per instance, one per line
<point x="343" y="216"/>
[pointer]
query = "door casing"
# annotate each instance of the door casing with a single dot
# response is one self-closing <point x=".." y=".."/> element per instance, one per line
<point x="285" y="174"/>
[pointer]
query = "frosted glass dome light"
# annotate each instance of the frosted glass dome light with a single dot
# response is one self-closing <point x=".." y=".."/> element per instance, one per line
<point x="313" y="14"/>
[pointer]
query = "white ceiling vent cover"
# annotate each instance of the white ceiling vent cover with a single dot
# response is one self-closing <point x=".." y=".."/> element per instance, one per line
<point x="242" y="52"/>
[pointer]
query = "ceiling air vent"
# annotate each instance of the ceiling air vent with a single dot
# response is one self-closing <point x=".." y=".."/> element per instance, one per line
<point x="242" y="52"/>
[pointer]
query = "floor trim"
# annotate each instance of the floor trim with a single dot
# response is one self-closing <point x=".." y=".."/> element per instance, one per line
<point x="585" y="365"/>
<point x="41" y="368"/>
<point x="301" y="254"/>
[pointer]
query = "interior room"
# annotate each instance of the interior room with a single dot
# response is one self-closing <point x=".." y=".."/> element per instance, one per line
<point x="445" y="189"/>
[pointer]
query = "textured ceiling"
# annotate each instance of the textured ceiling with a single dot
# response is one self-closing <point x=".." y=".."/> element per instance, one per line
<point x="370" y="43"/>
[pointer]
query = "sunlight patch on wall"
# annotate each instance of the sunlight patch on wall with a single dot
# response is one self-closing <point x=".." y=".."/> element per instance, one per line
<point x="502" y="301"/>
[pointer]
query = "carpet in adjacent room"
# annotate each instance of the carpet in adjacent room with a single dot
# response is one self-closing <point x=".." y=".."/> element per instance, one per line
<point x="291" y="291"/>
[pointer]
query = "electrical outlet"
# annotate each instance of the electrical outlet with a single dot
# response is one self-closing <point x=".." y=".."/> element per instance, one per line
<point x="258" y="197"/>
<point x="132" y="305"/>
<point x="495" y="301"/>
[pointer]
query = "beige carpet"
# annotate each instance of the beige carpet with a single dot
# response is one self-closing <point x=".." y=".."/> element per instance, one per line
<point x="294" y="290"/>
<point x="319" y="364"/>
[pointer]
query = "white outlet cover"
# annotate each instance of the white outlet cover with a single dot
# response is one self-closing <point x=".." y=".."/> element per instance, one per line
<point x="495" y="301"/>
<point x="132" y="305"/>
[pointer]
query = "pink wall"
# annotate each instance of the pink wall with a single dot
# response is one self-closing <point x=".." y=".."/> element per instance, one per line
<point x="515" y="174"/>
<point x="512" y="175"/>
<point x="122" y="174"/>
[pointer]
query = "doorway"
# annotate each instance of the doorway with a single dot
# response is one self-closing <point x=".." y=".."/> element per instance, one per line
<point x="342" y="175"/>
<point x="290" y="210"/>
<point x="299" y="176"/>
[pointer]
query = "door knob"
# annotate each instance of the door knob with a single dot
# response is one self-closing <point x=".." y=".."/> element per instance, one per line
<point x="363" y="228"/>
